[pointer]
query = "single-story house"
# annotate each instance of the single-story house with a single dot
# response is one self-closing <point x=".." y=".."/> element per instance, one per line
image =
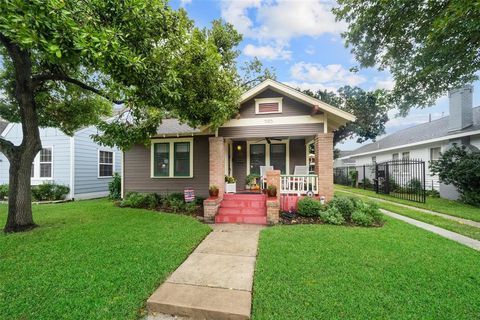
<point x="344" y="160"/>
<point x="74" y="161"/>
<point x="425" y="141"/>
<point x="274" y="127"/>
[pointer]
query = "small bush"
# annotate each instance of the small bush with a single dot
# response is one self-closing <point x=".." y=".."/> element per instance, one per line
<point x="353" y="177"/>
<point x="346" y="205"/>
<point x="367" y="183"/>
<point x="3" y="191"/>
<point x="115" y="187"/>
<point x="309" y="207"/>
<point x="172" y="199"/>
<point x="432" y="193"/>
<point x="141" y="200"/>
<point x="360" y="218"/>
<point x="176" y="205"/>
<point x="49" y="192"/>
<point x="414" y="185"/>
<point x="191" y="207"/>
<point x="332" y="216"/>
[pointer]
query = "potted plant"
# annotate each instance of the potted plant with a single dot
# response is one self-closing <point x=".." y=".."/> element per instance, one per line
<point x="251" y="181"/>
<point x="230" y="184"/>
<point x="213" y="191"/>
<point x="272" y="191"/>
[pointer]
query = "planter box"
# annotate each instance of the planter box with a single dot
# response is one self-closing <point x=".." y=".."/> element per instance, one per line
<point x="231" y="187"/>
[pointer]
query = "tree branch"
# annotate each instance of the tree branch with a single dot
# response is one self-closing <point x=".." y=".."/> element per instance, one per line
<point x="39" y="79"/>
<point x="7" y="147"/>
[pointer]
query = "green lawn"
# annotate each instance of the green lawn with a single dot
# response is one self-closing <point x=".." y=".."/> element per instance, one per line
<point x="466" y="230"/>
<point x="453" y="208"/>
<point x="334" y="272"/>
<point x="90" y="260"/>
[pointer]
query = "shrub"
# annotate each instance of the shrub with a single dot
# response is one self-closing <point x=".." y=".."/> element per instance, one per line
<point x="190" y="207"/>
<point x="353" y="176"/>
<point x="367" y="214"/>
<point x="345" y="205"/>
<point x="367" y="183"/>
<point x="49" y="192"/>
<point x="172" y="199"/>
<point x="414" y="185"/>
<point x="230" y="179"/>
<point x="332" y="216"/>
<point x="360" y="218"/>
<point x="459" y="166"/>
<point x="176" y="204"/>
<point x="115" y="187"/>
<point x="3" y="191"/>
<point x="309" y="207"/>
<point x="432" y="193"/>
<point x="141" y="200"/>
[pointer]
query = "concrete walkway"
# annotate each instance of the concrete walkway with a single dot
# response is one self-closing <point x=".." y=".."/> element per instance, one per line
<point x="469" y="242"/>
<point x="434" y="213"/>
<point x="215" y="281"/>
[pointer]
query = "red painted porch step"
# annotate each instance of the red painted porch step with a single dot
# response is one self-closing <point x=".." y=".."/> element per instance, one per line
<point x="242" y="208"/>
<point x="241" y="218"/>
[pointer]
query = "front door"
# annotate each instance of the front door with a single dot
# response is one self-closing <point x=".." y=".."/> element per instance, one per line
<point x="257" y="157"/>
<point x="278" y="156"/>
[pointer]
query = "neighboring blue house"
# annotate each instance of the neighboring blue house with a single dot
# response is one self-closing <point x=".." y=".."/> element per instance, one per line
<point x="77" y="162"/>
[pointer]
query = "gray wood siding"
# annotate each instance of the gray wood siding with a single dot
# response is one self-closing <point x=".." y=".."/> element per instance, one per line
<point x="297" y="153"/>
<point x="138" y="164"/>
<point x="239" y="163"/>
<point x="283" y="130"/>
<point x="290" y="107"/>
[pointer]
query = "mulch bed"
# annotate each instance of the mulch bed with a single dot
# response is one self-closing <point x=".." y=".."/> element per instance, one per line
<point x="295" y="218"/>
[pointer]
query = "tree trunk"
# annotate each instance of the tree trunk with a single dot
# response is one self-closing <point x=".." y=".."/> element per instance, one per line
<point x="21" y="157"/>
<point x="20" y="216"/>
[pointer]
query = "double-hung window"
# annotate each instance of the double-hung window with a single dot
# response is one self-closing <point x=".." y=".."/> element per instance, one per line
<point x="42" y="165"/>
<point x="172" y="158"/>
<point x="105" y="164"/>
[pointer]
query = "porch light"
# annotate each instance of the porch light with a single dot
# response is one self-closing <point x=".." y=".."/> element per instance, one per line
<point x="239" y="147"/>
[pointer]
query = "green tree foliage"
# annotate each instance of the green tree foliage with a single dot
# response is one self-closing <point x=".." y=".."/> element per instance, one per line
<point x="460" y="166"/>
<point x="370" y="108"/>
<point x="428" y="46"/>
<point x="65" y="62"/>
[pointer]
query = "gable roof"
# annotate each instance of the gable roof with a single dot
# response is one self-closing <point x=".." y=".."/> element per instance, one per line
<point x="419" y="134"/>
<point x="297" y="95"/>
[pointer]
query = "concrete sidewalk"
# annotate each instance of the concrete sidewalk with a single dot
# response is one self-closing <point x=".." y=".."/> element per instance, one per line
<point x="215" y="281"/>
<point x="469" y="242"/>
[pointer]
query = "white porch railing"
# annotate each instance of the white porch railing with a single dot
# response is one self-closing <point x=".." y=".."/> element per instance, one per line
<point x="292" y="184"/>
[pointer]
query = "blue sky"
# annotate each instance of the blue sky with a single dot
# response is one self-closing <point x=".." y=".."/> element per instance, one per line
<point x="301" y="40"/>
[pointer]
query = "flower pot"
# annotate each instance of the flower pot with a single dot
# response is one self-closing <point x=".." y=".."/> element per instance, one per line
<point x="213" y="193"/>
<point x="230" y="187"/>
<point x="272" y="193"/>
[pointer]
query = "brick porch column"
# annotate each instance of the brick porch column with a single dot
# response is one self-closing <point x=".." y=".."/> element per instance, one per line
<point x="273" y="204"/>
<point x="324" y="164"/>
<point x="217" y="164"/>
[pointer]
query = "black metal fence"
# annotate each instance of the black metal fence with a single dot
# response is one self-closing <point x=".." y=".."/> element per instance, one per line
<point x="404" y="179"/>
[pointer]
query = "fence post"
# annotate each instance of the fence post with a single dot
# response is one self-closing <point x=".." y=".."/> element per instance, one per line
<point x="387" y="179"/>
<point x="364" y="177"/>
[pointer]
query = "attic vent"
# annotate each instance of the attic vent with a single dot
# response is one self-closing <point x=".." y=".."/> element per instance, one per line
<point x="268" y="105"/>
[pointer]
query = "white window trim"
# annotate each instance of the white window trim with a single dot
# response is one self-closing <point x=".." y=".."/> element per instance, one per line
<point x="98" y="164"/>
<point x="267" y="153"/>
<point x="36" y="179"/>
<point x="268" y="100"/>
<point x="170" y="159"/>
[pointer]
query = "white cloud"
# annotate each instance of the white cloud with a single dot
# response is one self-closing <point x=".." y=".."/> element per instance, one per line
<point x="183" y="3"/>
<point x="281" y="20"/>
<point x="329" y="76"/>
<point x="387" y="84"/>
<point x="310" y="50"/>
<point x="267" y="52"/>
<point x="309" y="85"/>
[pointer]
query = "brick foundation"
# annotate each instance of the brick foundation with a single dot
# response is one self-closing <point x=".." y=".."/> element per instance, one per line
<point x="324" y="164"/>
